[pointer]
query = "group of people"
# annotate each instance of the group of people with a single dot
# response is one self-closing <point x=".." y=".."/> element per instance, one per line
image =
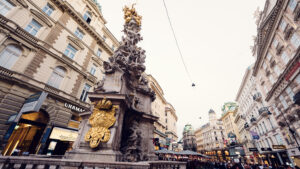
<point x="195" y="164"/>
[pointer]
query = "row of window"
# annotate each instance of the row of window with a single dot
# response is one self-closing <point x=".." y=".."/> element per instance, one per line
<point x="33" y="27"/>
<point x="11" y="53"/>
<point x="268" y="142"/>
<point x="290" y="93"/>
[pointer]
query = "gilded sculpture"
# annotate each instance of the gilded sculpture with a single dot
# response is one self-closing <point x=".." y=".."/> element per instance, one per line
<point x="130" y="14"/>
<point x="102" y="118"/>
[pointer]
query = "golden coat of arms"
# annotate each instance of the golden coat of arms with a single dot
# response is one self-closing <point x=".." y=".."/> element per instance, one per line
<point x="102" y="118"/>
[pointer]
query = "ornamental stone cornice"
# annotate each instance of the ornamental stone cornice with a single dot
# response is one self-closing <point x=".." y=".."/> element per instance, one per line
<point x="76" y="42"/>
<point x="24" y="80"/>
<point x="23" y="3"/>
<point x="265" y="32"/>
<point x="41" y="17"/>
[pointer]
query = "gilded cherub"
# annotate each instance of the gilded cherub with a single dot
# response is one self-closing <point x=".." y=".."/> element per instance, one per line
<point x="131" y="14"/>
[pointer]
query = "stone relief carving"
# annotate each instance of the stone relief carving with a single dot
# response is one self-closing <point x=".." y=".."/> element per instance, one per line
<point x="133" y="149"/>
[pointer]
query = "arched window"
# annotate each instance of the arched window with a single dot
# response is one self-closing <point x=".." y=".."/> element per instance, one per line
<point x="9" y="56"/>
<point x="57" y="76"/>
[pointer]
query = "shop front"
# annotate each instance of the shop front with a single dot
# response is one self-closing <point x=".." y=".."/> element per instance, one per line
<point x="42" y="126"/>
<point x="275" y="158"/>
<point x="24" y="139"/>
<point x="60" y="141"/>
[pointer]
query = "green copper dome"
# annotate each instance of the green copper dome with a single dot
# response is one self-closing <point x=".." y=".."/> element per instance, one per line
<point x="188" y="128"/>
<point x="230" y="107"/>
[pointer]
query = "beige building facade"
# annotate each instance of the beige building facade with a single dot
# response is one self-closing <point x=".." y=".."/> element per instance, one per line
<point x="211" y="135"/>
<point x="277" y="67"/>
<point x="165" y="129"/>
<point x="229" y="110"/>
<point x="51" y="56"/>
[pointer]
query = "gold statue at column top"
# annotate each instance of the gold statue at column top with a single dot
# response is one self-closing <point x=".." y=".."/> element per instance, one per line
<point x="102" y="118"/>
<point x="130" y="14"/>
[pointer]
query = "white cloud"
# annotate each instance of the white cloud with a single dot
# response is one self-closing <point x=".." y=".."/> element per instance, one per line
<point x="214" y="36"/>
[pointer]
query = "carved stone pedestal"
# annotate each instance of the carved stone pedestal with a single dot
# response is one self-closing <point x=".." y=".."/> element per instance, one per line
<point x="105" y="151"/>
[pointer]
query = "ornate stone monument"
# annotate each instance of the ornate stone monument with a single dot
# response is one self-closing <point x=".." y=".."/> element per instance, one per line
<point x="119" y="126"/>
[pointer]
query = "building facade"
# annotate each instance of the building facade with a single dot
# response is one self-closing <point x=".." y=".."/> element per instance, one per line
<point x="51" y="56"/>
<point x="257" y="126"/>
<point x="276" y="68"/>
<point x="189" y="138"/>
<point x="230" y="128"/>
<point x="210" y="137"/>
<point x="165" y="129"/>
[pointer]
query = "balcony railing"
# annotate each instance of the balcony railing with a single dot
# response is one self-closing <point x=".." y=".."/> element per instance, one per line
<point x="257" y="97"/>
<point x="5" y="72"/>
<point x="264" y="111"/>
<point x="246" y="125"/>
<point x="9" y="162"/>
<point x="253" y="120"/>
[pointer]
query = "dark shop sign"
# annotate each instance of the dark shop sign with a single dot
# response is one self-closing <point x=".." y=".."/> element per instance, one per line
<point x="253" y="149"/>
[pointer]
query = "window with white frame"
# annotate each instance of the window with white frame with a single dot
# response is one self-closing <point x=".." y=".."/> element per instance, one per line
<point x="277" y="70"/>
<point x="93" y="69"/>
<point x="269" y="56"/>
<point x="267" y="141"/>
<point x="266" y="129"/>
<point x="87" y="17"/>
<point x="277" y="112"/>
<point x="79" y="33"/>
<point x="48" y="9"/>
<point x="84" y="93"/>
<point x="292" y="4"/>
<point x="295" y="39"/>
<point x="33" y="27"/>
<point x="113" y="47"/>
<point x="290" y="92"/>
<point x="270" y="123"/>
<point x="9" y="56"/>
<point x="283" y="25"/>
<point x="5" y="7"/>
<point x="265" y="66"/>
<point x="104" y="37"/>
<point x="266" y="89"/>
<point x="99" y="53"/>
<point x="283" y="102"/>
<point x="278" y="139"/>
<point x="271" y="79"/>
<point x="285" y="57"/>
<point x="70" y="51"/>
<point x="57" y="77"/>
<point x="298" y="79"/>
<point x="275" y="42"/>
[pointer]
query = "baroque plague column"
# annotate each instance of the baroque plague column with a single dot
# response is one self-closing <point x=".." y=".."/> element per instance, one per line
<point x="120" y="125"/>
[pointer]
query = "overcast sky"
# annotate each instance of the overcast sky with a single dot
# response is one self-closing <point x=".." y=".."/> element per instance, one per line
<point x="215" y="39"/>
